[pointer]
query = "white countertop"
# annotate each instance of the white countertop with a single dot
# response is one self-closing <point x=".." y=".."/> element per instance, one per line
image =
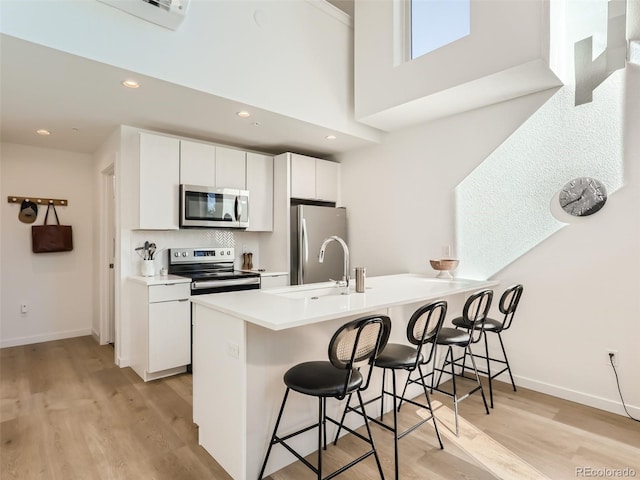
<point x="266" y="273"/>
<point x="273" y="310"/>
<point x="160" y="279"/>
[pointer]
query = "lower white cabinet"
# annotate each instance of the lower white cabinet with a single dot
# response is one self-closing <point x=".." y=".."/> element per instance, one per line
<point x="161" y="329"/>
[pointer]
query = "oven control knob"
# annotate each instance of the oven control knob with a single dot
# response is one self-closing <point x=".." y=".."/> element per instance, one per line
<point x="184" y="254"/>
<point x="221" y="252"/>
<point x="176" y="254"/>
<point x="228" y="252"/>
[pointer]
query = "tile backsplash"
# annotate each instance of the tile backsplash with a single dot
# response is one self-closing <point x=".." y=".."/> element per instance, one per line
<point x="197" y="237"/>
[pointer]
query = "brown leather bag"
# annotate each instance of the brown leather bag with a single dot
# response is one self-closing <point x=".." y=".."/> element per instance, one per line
<point x="51" y="238"/>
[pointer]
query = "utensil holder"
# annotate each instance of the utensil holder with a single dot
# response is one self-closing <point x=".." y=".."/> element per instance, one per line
<point x="147" y="268"/>
<point x="360" y="277"/>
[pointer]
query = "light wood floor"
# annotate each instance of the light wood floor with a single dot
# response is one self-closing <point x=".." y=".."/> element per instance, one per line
<point x="68" y="412"/>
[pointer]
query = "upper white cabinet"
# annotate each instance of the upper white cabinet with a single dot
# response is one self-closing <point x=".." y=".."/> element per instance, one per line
<point x="327" y="180"/>
<point x="230" y="168"/>
<point x="303" y="176"/>
<point x="212" y="166"/>
<point x="197" y="163"/>
<point x="159" y="163"/>
<point x="313" y="178"/>
<point x="260" y="186"/>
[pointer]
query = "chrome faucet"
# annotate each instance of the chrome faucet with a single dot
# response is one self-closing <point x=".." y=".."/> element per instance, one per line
<point x="345" y="272"/>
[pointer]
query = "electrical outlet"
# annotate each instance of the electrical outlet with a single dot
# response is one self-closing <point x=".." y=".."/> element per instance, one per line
<point x="233" y="349"/>
<point x="613" y="360"/>
<point x="24" y="308"/>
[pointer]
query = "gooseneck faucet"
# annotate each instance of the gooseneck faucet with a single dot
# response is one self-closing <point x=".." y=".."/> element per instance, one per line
<point x="345" y="270"/>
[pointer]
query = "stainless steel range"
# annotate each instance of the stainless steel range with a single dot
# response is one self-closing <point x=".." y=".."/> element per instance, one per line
<point x="211" y="270"/>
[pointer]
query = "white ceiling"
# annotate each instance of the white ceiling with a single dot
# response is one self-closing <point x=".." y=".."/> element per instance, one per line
<point x="81" y="102"/>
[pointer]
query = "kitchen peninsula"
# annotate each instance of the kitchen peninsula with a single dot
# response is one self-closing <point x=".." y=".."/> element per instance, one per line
<point x="243" y="343"/>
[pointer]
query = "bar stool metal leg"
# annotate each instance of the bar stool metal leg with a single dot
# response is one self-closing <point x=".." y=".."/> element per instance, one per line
<point x="274" y="437"/>
<point x="474" y="315"/>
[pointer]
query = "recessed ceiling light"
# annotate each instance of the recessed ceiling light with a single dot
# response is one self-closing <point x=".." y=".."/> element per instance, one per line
<point x="243" y="114"/>
<point x="330" y="137"/>
<point x="130" y="84"/>
<point x="256" y="124"/>
<point x="42" y="131"/>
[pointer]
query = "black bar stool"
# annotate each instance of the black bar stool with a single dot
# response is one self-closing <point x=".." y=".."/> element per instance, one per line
<point x="508" y="304"/>
<point x="353" y="346"/>
<point x="424" y="326"/>
<point x="474" y="313"/>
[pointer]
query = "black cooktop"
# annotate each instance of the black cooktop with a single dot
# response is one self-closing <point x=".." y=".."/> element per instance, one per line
<point x="217" y="275"/>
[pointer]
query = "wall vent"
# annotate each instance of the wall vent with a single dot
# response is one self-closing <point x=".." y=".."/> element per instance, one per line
<point x="166" y="13"/>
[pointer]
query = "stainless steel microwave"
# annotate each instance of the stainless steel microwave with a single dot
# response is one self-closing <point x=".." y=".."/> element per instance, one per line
<point x="208" y="207"/>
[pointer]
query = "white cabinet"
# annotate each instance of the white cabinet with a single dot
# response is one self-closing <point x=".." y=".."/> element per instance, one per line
<point x="230" y="168"/>
<point x="159" y="169"/>
<point x="166" y="162"/>
<point x="162" y="329"/>
<point x="274" y="281"/>
<point x="197" y="163"/>
<point x="327" y="180"/>
<point x="260" y="186"/>
<point x="211" y="165"/>
<point x="303" y="176"/>
<point x="313" y="178"/>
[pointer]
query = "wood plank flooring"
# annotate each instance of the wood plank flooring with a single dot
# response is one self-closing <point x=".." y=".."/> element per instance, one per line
<point x="67" y="412"/>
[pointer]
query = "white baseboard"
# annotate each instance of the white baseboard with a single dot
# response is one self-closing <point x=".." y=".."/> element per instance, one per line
<point x="613" y="406"/>
<point x="15" y="342"/>
<point x="123" y="362"/>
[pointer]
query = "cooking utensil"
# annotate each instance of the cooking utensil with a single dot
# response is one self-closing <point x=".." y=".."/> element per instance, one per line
<point x="152" y="251"/>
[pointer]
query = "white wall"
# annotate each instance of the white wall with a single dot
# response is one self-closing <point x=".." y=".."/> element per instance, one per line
<point x="504" y="56"/>
<point x="581" y="285"/>
<point x="292" y="58"/>
<point x="57" y="287"/>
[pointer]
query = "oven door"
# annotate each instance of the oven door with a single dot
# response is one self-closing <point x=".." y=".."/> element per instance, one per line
<point x="202" y="287"/>
<point x="209" y="207"/>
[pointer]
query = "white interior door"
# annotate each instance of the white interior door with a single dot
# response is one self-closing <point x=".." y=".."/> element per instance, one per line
<point x="106" y="262"/>
<point x="111" y="236"/>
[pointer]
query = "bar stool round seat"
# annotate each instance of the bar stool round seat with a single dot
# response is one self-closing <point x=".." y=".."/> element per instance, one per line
<point x="452" y="336"/>
<point x="320" y="379"/>
<point x="396" y="355"/>
<point x="490" y="324"/>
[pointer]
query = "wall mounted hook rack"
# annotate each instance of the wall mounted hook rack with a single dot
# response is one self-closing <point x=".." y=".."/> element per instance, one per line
<point x="39" y="201"/>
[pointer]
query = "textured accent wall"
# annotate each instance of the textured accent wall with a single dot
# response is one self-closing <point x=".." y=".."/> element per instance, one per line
<point x="504" y="207"/>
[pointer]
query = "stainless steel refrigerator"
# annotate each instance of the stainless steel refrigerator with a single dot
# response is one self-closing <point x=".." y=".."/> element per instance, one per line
<point x="310" y="226"/>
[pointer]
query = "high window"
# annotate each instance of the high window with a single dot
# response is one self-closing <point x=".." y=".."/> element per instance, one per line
<point x="436" y="23"/>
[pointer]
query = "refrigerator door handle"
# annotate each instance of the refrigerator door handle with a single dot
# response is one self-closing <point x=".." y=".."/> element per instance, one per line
<point x="304" y="258"/>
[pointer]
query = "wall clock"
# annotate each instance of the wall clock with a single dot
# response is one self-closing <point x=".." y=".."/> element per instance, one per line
<point x="583" y="196"/>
